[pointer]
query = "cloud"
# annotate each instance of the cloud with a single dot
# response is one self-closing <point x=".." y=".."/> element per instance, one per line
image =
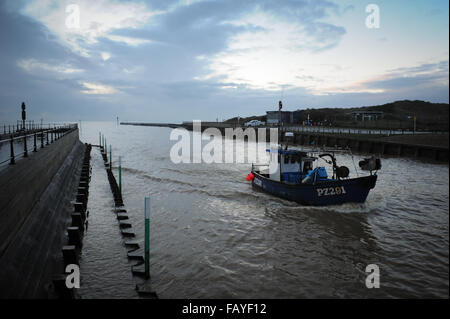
<point x="405" y="79"/>
<point x="32" y="66"/>
<point x="97" y="19"/>
<point x="423" y="75"/>
<point x="105" y="56"/>
<point x="127" y="40"/>
<point x="175" y="60"/>
<point x="269" y="45"/>
<point x="97" y="89"/>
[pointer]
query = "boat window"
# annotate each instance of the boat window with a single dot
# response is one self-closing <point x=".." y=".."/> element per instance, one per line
<point x="286" y="159"/>
<point x="307" y="167"/>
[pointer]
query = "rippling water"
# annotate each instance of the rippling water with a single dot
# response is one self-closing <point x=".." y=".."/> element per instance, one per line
<point x="213" y="236"/>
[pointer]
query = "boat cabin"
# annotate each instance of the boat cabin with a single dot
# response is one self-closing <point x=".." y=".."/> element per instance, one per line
<point x="295" y="166"/>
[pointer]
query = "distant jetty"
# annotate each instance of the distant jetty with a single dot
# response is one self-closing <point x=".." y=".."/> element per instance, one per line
<point x="366" y="141"/>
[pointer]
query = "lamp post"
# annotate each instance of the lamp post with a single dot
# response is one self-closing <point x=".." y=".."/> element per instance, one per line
<point x="24" y="115"/>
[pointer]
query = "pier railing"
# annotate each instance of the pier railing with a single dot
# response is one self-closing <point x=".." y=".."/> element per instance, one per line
<point x="6" y="129"/>
<point x="39" y="139"/>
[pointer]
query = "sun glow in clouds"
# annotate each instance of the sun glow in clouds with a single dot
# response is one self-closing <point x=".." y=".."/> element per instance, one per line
<point x="281" y="53"/>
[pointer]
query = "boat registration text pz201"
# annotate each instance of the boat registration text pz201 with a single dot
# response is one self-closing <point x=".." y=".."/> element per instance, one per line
<point x="330" y="191"/>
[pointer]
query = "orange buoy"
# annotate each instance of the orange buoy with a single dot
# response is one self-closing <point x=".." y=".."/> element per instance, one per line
<point x="250" y="177"/>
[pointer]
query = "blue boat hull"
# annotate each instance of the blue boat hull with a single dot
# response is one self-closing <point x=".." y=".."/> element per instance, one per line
<point x="337" y="192"/>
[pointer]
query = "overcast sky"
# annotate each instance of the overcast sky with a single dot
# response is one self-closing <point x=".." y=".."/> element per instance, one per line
<point x="169" y="61"/>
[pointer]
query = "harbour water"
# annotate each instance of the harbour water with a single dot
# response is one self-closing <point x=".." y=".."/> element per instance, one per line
<point x="213" y="236"/>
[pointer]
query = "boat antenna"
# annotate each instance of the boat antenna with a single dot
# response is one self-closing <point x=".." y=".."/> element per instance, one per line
<point x="280" y="106"/>
<point x="353" y="160"/>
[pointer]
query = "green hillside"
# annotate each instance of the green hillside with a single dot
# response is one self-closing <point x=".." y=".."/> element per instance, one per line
<point x="396" y="115"/>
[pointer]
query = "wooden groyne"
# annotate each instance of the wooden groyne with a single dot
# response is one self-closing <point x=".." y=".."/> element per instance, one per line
<point x="134" y="251"/>
<point x="75" y="232"/>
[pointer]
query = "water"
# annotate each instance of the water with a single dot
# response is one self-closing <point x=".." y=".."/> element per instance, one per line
<point x="104" y="263"/>
<point x="213" y="236"/>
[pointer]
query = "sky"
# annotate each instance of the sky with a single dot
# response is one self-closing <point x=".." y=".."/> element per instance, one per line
<point x="174" y="61"/>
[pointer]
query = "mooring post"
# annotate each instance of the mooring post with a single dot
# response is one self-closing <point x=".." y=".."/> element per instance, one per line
<point x="120" y="175"/>
<point x="12" y="161"/>
<point x="99" y="139"/>
<point x="147" y="237"/>
<point x="110" y="157"/>
<point x="47" y="139"/>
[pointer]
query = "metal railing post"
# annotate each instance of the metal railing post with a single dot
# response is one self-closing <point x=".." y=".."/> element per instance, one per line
<point x="12" y="161"/>
<point x="25" y="149"/>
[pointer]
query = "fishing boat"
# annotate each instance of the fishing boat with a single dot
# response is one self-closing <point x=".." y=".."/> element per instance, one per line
<point x="295" y="175"/>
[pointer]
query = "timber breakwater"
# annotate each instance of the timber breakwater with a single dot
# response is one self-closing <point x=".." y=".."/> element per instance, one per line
<point x="363" y="141"/>
<point x="134" y="252"/>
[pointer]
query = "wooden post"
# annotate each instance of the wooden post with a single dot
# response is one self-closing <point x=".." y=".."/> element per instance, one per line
<point x="147" y="237"/>
<point x="120" y="175"/>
